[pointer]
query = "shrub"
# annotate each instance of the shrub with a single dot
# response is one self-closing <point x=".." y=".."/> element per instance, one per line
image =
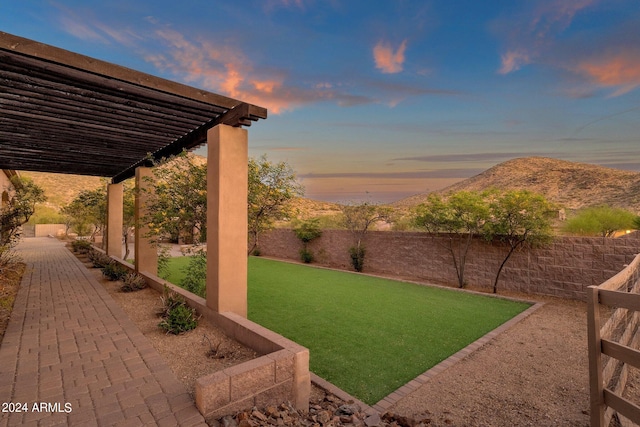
<point x="163" y="262"/>
<point x="8" y="259"/>
<point x="195" y="280"/>
<point x="169" y="300"/>
<point x="307" y="231"/>
<point x="99" y="259"/>
<point x="133" y="282"/>
<point x="114" y="271"/>
<point x="256" y="252"/>
<point x="306" y="256"/>
<point x="177" y="317"/>
<point x="357" y="257"/>
<point x="81" y="246"/>
<point x="180" y="319"/>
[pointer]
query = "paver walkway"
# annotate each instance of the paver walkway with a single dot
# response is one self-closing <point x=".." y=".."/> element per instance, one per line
<point x="71" y="356"/>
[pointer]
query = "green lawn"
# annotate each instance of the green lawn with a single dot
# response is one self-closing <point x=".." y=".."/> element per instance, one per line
<point x="175" y="270"/>
<point x="368" y="336"/>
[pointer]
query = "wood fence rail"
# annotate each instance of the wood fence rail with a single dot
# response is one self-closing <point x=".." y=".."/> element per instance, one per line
<point x="613" y="346"/>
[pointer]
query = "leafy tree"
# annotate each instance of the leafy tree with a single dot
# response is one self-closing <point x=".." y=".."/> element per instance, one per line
<point x="458" y="219"/>
<point x="46" y="215"/>
<point x="518" y="218"/>
<point x="195" y="279"/>
<point x="358" y="219"/>
<point x="177" y="205"/>
<point x="178" y="202"/>
<point x="600" y="221"/>
<point x="128" y="216"/>
<point x="271" y="188"/>
<point x="16" y="211"/>
<point x="307" y="231"/>
<point x="87" y="212"/>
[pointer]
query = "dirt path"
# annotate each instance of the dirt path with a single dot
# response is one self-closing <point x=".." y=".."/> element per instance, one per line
<point x="535" y="374"/>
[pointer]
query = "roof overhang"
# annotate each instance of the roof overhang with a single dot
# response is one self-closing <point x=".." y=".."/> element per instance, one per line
<point x="62" y="112"/>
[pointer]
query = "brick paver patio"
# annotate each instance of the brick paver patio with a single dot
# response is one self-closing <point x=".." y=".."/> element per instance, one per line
<point x="71" y="356"/>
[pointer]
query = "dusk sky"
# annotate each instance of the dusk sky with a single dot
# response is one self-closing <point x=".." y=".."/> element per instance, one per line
<point x="380" y="100"/>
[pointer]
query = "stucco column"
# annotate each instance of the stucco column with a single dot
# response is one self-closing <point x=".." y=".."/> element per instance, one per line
<point x="227" y="183"/>
<point x="146" y="259"/>
<point x="114" y="220"/>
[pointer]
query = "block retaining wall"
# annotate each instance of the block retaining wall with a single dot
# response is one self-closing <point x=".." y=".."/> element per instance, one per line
<point x="563" y="269"/>
<point x="280" y="374"/>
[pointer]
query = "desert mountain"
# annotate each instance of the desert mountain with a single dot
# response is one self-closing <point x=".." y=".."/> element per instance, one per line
<point x="569" y="184"/>
<point x="61" y="189"/>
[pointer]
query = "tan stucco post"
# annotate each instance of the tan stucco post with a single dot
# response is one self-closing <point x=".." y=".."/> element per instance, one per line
<point x="146" y="254"/>
<point x="114" y="220"/>
<point x="227" y="219"/>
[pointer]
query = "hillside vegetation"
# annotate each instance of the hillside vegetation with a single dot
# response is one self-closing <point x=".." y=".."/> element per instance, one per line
<point x="569" y="184"/>
<point x="61" y="189"/>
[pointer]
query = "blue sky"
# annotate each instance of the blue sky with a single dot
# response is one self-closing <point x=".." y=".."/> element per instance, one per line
<point x="379" y="100"/>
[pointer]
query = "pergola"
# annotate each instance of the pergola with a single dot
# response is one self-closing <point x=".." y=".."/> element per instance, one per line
<point x="62" y="112"/>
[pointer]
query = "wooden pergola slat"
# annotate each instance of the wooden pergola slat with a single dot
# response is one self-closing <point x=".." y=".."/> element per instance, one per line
<point x="63" y="112"/>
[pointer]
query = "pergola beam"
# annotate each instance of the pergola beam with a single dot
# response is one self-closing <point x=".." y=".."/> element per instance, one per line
<point x="30" y="48"/>
<point x="62" y="112"/>
<point x="56" y="106"/>
<point x="241" y="115"/>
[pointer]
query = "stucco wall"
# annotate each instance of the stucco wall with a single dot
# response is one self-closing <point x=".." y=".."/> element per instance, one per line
<point x="5" y="187"/>
<point x="564" y="268"/>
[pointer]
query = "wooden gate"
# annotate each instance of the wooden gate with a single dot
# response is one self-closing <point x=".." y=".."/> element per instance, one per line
<point x="613" y="317"/>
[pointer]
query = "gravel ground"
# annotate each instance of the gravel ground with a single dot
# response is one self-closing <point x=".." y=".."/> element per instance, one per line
<point x="535" y="374"/>
<point x="187" y="354"/>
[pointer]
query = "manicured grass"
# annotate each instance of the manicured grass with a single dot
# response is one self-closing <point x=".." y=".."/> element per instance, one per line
<point x="368" y="336"/>
<point x="175" y="269"/>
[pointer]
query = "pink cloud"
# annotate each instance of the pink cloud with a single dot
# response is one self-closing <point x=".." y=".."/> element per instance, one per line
<point x="80" y="29"/>
<point x="387" y="60"/>
<point x="227" y="70"/>
<point x="620" y="71"/>
<point x="553" y="17"/>
<point x="513" y="60"/>
<point x="86" y="27"/>
<point x="531" y="36"/>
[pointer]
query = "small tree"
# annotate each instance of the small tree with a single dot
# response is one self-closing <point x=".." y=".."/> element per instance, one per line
<point x="457" y="219"/>
<point x="87" y="212"/>
<point x="177" y="205"/>
<point x="518" y="218"/>
<point x="16" y="211"/>
<point x="307" y="231"/>
<point x="271" y="188"/>
<point x="195" y="279"/>
<point x="178" y="202"/>
<point x="358" y="219"/>
<point x="600" y="221"/>
<point x="128" y="216"/>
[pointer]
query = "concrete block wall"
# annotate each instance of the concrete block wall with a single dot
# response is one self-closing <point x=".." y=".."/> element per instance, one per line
<point x="280" y="374"/>
<point x="564" y="268"/>
<point x="267" y="380"/>
<point x="44" y="230"/>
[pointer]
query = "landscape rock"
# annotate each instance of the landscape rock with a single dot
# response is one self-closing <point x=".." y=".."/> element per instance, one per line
<point x="228" y="421"/>
<point x="326" y="411"/>
<point x="372" y="420"/>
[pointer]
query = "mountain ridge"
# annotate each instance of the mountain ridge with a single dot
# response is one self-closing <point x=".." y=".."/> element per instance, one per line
<point x="571" y="185"/>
